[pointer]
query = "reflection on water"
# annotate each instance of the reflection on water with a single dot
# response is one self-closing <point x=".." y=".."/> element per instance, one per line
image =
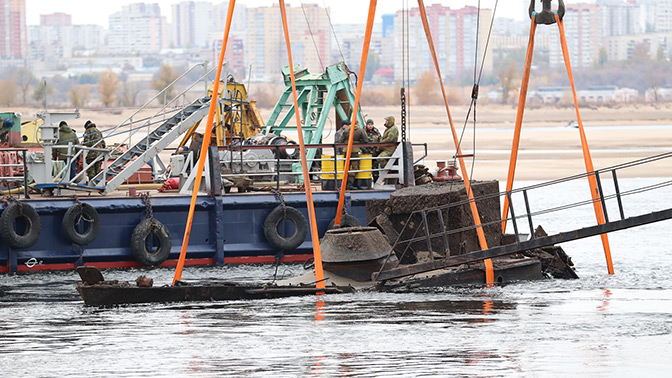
<point x="598" y="325"/>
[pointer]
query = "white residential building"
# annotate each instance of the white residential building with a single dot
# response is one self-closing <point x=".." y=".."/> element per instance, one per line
<point x="455" y="37"/>
<point x="137" y="28"/>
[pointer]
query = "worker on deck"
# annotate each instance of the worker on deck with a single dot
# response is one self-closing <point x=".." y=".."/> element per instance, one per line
<point x="373" y="136"/>
<point x="344" y="124"/>
<point x="66" y="135"/>
<point x="391" y="134"/>
<point x="94" y="139"/>
<point x="359" y="137"/>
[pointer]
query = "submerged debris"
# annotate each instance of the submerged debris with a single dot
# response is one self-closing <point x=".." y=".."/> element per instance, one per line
<point x="144" y="281"/>
<point x="554" y="261"/>
<point x="434" y="221"/>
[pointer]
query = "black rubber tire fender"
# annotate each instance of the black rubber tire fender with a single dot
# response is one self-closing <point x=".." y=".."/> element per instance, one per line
<point x="347" y="220"/>
<point x="147" y="228"/>
<point x="72" y="217"/>
<point x="274" y="238"/>
<point x="11" y="213"/>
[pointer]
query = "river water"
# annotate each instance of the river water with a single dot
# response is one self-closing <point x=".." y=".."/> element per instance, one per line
<point x="598" y="325"/>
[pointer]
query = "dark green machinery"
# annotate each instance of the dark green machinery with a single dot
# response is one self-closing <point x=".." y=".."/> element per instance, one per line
<point x="317" y="94"/>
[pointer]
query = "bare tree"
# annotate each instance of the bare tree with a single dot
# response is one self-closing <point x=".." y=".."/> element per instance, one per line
<point x="8" y="92"/>
<point x="425" y="90"/>
<point x="162" y="79"/>
<point x="128" y="94"/>
<point x="107" y="87"/>
<point x="42" y="91"/>
<point x="79" y="95"/>
<point x="24" y="79"/>
<point x="508" y="75"/>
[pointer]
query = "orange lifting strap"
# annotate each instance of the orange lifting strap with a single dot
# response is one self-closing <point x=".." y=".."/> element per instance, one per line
<point x="204" y="147"/>
<point x="317" y="254"/>
<point x="584" y="141"/>
<point x="489" y="272"/>
<point x="362" y="71"/>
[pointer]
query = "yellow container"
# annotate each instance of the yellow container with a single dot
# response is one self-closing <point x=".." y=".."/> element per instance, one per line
<point x="328" y="167"/>
<point x="365" y="164"/>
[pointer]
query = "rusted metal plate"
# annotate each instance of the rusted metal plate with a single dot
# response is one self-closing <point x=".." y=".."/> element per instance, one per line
<point x="526" y="269"/>
<point x="361" y="270"/>
<point x="89" y="275"/>
<point x="351" y="244"/>
<point x="111" y="295"/>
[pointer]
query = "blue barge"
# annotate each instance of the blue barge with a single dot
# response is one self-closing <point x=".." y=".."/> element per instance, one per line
<point x="227" y="229"/>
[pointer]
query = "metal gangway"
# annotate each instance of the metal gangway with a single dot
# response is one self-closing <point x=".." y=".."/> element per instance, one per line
<point x="430" y="227"/>
<point x="144" y="137"/>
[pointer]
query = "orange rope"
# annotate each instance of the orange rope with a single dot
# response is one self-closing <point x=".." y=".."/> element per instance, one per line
<point x="204" y="147"/>
<point x="586" y="151"/>
<point x="360" y="81"/>
<point x="317" y="254"/>
<point x="519" y="122"/>
<point x="463" y="166"/>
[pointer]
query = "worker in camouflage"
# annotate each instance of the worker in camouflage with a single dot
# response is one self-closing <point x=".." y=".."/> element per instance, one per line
<point x="337" y="136"/>
<point x="391" y="134"/>
<point x="94" y="139"/>
<point x="358" y="137"/>
<point x="66" y="135"/>
<point x="373" y="135"/>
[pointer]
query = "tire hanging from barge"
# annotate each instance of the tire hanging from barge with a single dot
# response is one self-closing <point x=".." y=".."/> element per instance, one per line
<point x="150" y="228"/>
<point x="274" y="219"/>
<point x="33" y="226"/>
<point x="81" y="212"/>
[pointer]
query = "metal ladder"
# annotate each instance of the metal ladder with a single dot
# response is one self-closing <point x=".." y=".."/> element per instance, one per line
<point x="150" y="146"/>
<point x="175" y="117"/>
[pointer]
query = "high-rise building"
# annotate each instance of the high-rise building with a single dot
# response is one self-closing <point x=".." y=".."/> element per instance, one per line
<point x="192" y="23"/>
<point x="137" y="28"/>
<point x="662" y="13"/>
<point x="582" y="31"/>
<point x="13" y="31"/>
<point x="456" y="40"/>
<point x="618" y="17"/>
<point x="56" y="19"/>
<point x="388" y="24"/>
<point x="56" y="38"/>
<point x="310" y="37"/>
<point x="182" y="32"/>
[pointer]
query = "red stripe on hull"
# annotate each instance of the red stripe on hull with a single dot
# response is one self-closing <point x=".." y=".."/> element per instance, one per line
<point x="269" y="259"/>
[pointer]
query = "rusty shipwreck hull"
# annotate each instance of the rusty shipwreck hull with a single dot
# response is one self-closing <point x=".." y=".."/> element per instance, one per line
<point x="111" y="295"/>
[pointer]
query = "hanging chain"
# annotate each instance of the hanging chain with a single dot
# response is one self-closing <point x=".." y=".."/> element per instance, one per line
<point x="278" y="194"/>
<point x="403" y="114"/>
<point x="80" y="206"/>
<point x="149" y="213"/>
<point x="6" y="200"/>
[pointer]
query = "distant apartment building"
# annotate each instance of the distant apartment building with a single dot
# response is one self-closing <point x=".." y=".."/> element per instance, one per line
<point x="621" y="47"/>
<point x="56" y="19"/>
<point x="56" y="38"/>
<point x="234" y="56"/>
<point x="310" y="34"/>
<point x="662" y="15"/>
<point x="619" y="17"/>
<point x="595" y="94"/>
<point x="455" y="36"/>
<point x="582" y="31"/>
<point x="13" y="31"/>
<point x="137" y="28"/>
<point x="192" y="22"/>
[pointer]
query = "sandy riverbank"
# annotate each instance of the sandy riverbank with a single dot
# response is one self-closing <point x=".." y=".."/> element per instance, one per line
<point x="549" y="148"/>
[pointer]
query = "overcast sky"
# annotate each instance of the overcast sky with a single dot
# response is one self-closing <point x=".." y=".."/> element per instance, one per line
<point x="343" y="11"/>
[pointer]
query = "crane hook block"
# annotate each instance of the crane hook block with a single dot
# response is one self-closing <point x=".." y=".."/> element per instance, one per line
<point x="546" y="16"/>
